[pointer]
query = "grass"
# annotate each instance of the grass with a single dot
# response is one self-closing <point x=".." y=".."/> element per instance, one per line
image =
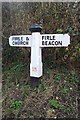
<point x="65" y="90"/>
<point x="57" y="77"/>
<point x="55" y="82"/>
<point x="42" y="87"/>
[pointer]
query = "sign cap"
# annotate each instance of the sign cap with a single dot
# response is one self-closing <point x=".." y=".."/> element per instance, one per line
<point x="35" y="28"/>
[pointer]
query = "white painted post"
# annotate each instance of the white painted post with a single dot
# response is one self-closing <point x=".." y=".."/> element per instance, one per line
<point x="36" y="56"/>
<point x="36" y="41"/>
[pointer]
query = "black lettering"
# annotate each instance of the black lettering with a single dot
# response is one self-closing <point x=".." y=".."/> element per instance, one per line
<point x="15" y="38"/>
<point x="13" y="43"/>
<point x="21" y="38"/>
<point x="20" y="42"/>
<point x="47" y="37"/>
<point x="27" y="38"/>
<point x="60" y="42"/>
<point x="52" y="42"/>
<point x="42" y="42"/>
<point x="56" y="42"/>
<point x="16" y="43"/>
<point x="46" y="42"/>
<point x="49" y="43"/>
<point x="42" y="37"/>
<point x="26" y="43"/>
<point x="53" y="37"/>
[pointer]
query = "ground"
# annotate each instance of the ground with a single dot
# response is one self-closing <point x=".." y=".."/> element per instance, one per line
<point x="54" y="95"/>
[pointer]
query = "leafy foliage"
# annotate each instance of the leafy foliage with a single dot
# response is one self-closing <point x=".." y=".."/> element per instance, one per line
<point x="16" y="104"/>
<point x="54" y="104"/>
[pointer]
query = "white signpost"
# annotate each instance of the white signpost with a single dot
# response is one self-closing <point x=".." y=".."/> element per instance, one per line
<point x="36" y="41"/>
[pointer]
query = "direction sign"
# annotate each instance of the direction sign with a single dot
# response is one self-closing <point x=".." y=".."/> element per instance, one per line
<point x="55" y="40"/>
<point x="36" y="41"/>
<point x="20" y="41"/>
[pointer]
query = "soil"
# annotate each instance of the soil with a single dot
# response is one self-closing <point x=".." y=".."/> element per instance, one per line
<point x="36" y="97"/>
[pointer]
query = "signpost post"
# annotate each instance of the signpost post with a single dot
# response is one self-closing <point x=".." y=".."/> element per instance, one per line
<point x="36" y="41"/>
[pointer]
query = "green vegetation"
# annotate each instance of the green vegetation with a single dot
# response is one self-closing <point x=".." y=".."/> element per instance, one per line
<point x="42" y="87"/>
<point x="57" y="81"/>
<point x="61" y="66"/>
<point x="67" y="109"/>
<point x="65" y="90"/>
<point x="57" y="77"/>
<point x="59" y="31"/>
<point x="16" y="104"/>
<point x="54" y="104"/>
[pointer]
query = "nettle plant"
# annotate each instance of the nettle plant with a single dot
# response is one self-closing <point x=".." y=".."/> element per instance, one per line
<point x="16" y="104"/>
